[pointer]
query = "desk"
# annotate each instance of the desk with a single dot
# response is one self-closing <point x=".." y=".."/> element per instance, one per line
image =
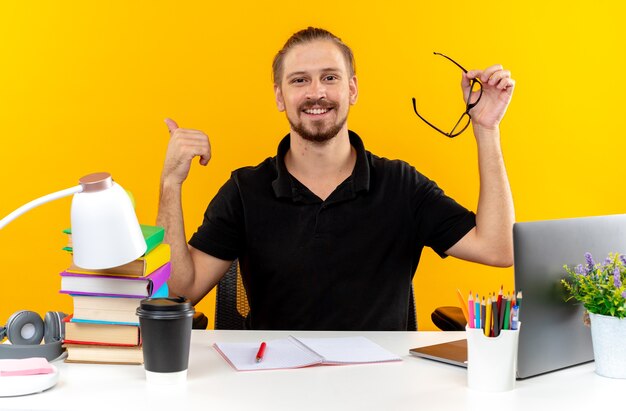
<point x="413" y="384"/>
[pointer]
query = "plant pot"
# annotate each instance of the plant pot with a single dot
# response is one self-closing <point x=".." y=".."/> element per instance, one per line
<point x="608" y="335"/>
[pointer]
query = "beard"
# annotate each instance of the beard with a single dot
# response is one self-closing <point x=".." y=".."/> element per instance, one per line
<point x="318" y="132"/>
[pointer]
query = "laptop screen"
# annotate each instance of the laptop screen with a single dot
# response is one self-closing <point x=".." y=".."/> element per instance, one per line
<point x="553" y="335"/>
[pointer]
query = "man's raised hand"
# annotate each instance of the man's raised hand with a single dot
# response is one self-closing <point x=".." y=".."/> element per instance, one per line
<point x="184" y="145"/>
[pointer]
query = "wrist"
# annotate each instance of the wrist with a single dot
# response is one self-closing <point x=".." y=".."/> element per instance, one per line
<point x="486" y="132"/>
<point x="170" y="183"/>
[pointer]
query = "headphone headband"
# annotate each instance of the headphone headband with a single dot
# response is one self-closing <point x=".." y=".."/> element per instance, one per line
<point x="49" y="351"/>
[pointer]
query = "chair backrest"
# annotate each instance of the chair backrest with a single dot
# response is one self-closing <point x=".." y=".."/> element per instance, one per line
<point x="231" y="303"/>
<point x="411" y="323"/>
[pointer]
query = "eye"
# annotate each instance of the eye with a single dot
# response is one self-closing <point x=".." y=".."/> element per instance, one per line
<point x="298" y="80"/>
<point x="330" y="77"/>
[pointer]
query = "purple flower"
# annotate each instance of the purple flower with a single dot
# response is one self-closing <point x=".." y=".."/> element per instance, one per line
<point x="623" y="259"/>
<point x="617" y="281"/>
<point x="624" y="294"/>
<point x="579" y="269"/>
<point x="590" y="263"/>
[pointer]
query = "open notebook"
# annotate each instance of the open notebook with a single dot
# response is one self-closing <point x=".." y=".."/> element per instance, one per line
<point x="299" y="352"/>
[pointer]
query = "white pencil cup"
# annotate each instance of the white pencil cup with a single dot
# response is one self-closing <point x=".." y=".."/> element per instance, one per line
<point x="491" y="361"/>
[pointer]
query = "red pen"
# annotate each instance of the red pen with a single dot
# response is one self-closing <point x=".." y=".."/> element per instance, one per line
<point x="261" y="353"/>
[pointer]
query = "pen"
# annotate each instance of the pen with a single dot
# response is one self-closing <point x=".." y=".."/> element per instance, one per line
<point x="261" y="352"/>
<point x="514" y="317"/>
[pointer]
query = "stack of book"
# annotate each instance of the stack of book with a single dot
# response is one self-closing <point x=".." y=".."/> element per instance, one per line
<point x="104" y="327"/>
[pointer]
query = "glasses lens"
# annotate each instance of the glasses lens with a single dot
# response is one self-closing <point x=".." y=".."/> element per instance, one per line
<point x="476" y="93"/>
<point x="461" y="125"/>
<point x="464" y="121"/>
<point x="476" y="86"/>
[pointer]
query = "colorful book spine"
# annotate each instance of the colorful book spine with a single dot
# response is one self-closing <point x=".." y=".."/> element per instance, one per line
<point x="89" y="284"/>
<point x="137" y="268"/>
<point x="152" y="234"/>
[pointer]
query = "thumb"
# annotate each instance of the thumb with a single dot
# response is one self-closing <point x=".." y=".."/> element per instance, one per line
<point x="171" y="125"/>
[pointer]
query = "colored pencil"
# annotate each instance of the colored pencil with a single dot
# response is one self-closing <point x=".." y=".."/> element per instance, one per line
<point x="488" y="317"/>
<point x="496" y="318"/>
<point x="470" y="305"/>
<point x="507" y="315"/>
<point x="501" y="314"/>
<point x="477" y="312"/>
<point x="483" y="309"/>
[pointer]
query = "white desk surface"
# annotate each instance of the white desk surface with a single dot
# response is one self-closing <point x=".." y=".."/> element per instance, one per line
<point x="413" y="384"/>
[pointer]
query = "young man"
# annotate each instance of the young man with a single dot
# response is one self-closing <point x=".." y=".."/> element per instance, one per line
<point x="328" y="235"/>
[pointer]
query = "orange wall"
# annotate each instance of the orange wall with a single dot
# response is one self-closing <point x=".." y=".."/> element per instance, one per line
<point x="85" y="87"/>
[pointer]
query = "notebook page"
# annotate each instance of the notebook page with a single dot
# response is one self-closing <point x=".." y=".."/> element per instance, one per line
<point x="279" y="354"/>
<point x="348" y="350"/>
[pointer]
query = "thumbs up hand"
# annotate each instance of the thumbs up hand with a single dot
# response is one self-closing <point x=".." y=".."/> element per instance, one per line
<point x="184" y="145"/>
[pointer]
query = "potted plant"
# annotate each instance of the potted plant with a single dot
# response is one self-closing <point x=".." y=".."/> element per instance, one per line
<point x="601" y="288"/>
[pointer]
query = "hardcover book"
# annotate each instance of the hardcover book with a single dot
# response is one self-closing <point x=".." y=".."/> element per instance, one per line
<point x="110" y="310"/>
<point x="104" y="354"/>
<point x="140" y="267"/>
<point x="100" y="334"/>
<point x="115" y="310"/>
<point x="108" y="285"/>
<point x="153" y="235"/>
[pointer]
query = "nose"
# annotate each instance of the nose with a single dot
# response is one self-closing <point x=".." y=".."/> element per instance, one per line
<point x="316" y="90"/>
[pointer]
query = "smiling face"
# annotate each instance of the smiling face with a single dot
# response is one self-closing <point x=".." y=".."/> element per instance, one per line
<point x="316" y="90"/>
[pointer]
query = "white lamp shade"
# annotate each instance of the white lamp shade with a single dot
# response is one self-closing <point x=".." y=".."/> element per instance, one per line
<point x="105" y="230"/>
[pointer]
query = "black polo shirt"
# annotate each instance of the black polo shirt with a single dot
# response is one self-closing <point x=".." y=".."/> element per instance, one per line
<point x="345" y="263"/>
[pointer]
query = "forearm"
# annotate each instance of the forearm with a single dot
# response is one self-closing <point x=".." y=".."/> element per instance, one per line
<point x="495" y="214"/>
<point x="170" y="217"/>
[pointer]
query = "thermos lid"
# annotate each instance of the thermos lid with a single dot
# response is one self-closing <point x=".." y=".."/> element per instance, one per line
<point x="165" y="308"/>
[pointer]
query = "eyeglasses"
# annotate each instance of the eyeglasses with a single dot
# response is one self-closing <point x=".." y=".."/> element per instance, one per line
<point x="465" y="119"/>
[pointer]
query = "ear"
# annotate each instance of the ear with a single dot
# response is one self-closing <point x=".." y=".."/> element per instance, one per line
<point x="280" y="101"/>
<point x="354" y="90"/>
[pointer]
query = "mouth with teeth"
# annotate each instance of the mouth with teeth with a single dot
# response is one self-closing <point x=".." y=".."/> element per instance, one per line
<point x="316" y="111"/>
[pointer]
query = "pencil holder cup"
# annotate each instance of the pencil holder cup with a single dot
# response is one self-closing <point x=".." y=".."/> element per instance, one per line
<point x="491" y="361"/>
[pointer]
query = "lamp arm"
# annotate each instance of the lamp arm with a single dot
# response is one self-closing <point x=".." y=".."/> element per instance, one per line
<point x="39" y="201"/>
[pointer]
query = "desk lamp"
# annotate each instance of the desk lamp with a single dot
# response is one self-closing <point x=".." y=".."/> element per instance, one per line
<point x="105" y="234"/>
<point x="105" y="230"/>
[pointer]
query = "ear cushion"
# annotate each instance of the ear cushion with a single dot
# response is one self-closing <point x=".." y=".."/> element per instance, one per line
<point x="54" y="326"/>
<point x="25" y="328"/>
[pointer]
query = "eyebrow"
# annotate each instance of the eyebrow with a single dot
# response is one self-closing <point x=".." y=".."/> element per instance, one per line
<point x="324" y="70"/>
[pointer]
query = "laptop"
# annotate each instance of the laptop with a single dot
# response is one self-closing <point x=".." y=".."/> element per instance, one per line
<point x="552" y="335"/>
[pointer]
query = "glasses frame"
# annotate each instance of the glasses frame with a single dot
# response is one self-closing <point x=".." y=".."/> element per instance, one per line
<point x="468" y="105"/>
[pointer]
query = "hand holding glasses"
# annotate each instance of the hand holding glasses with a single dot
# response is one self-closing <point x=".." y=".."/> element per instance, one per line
<point x="476" y="88"/>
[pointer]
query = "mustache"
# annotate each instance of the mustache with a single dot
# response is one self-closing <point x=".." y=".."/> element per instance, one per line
<point x="320" y="103"/>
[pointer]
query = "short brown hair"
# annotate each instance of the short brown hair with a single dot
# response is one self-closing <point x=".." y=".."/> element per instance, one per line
<point x="306" y="36"/>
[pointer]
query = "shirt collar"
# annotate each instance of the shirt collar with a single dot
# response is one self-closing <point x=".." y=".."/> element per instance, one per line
<point x="284" y="187"/>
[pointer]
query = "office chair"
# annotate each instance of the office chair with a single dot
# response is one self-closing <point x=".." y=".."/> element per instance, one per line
<point x="411" y="324"/>
<point x="448" y="318"/>
<point x="231" y="303"/>
<point x="199" y="321"/>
